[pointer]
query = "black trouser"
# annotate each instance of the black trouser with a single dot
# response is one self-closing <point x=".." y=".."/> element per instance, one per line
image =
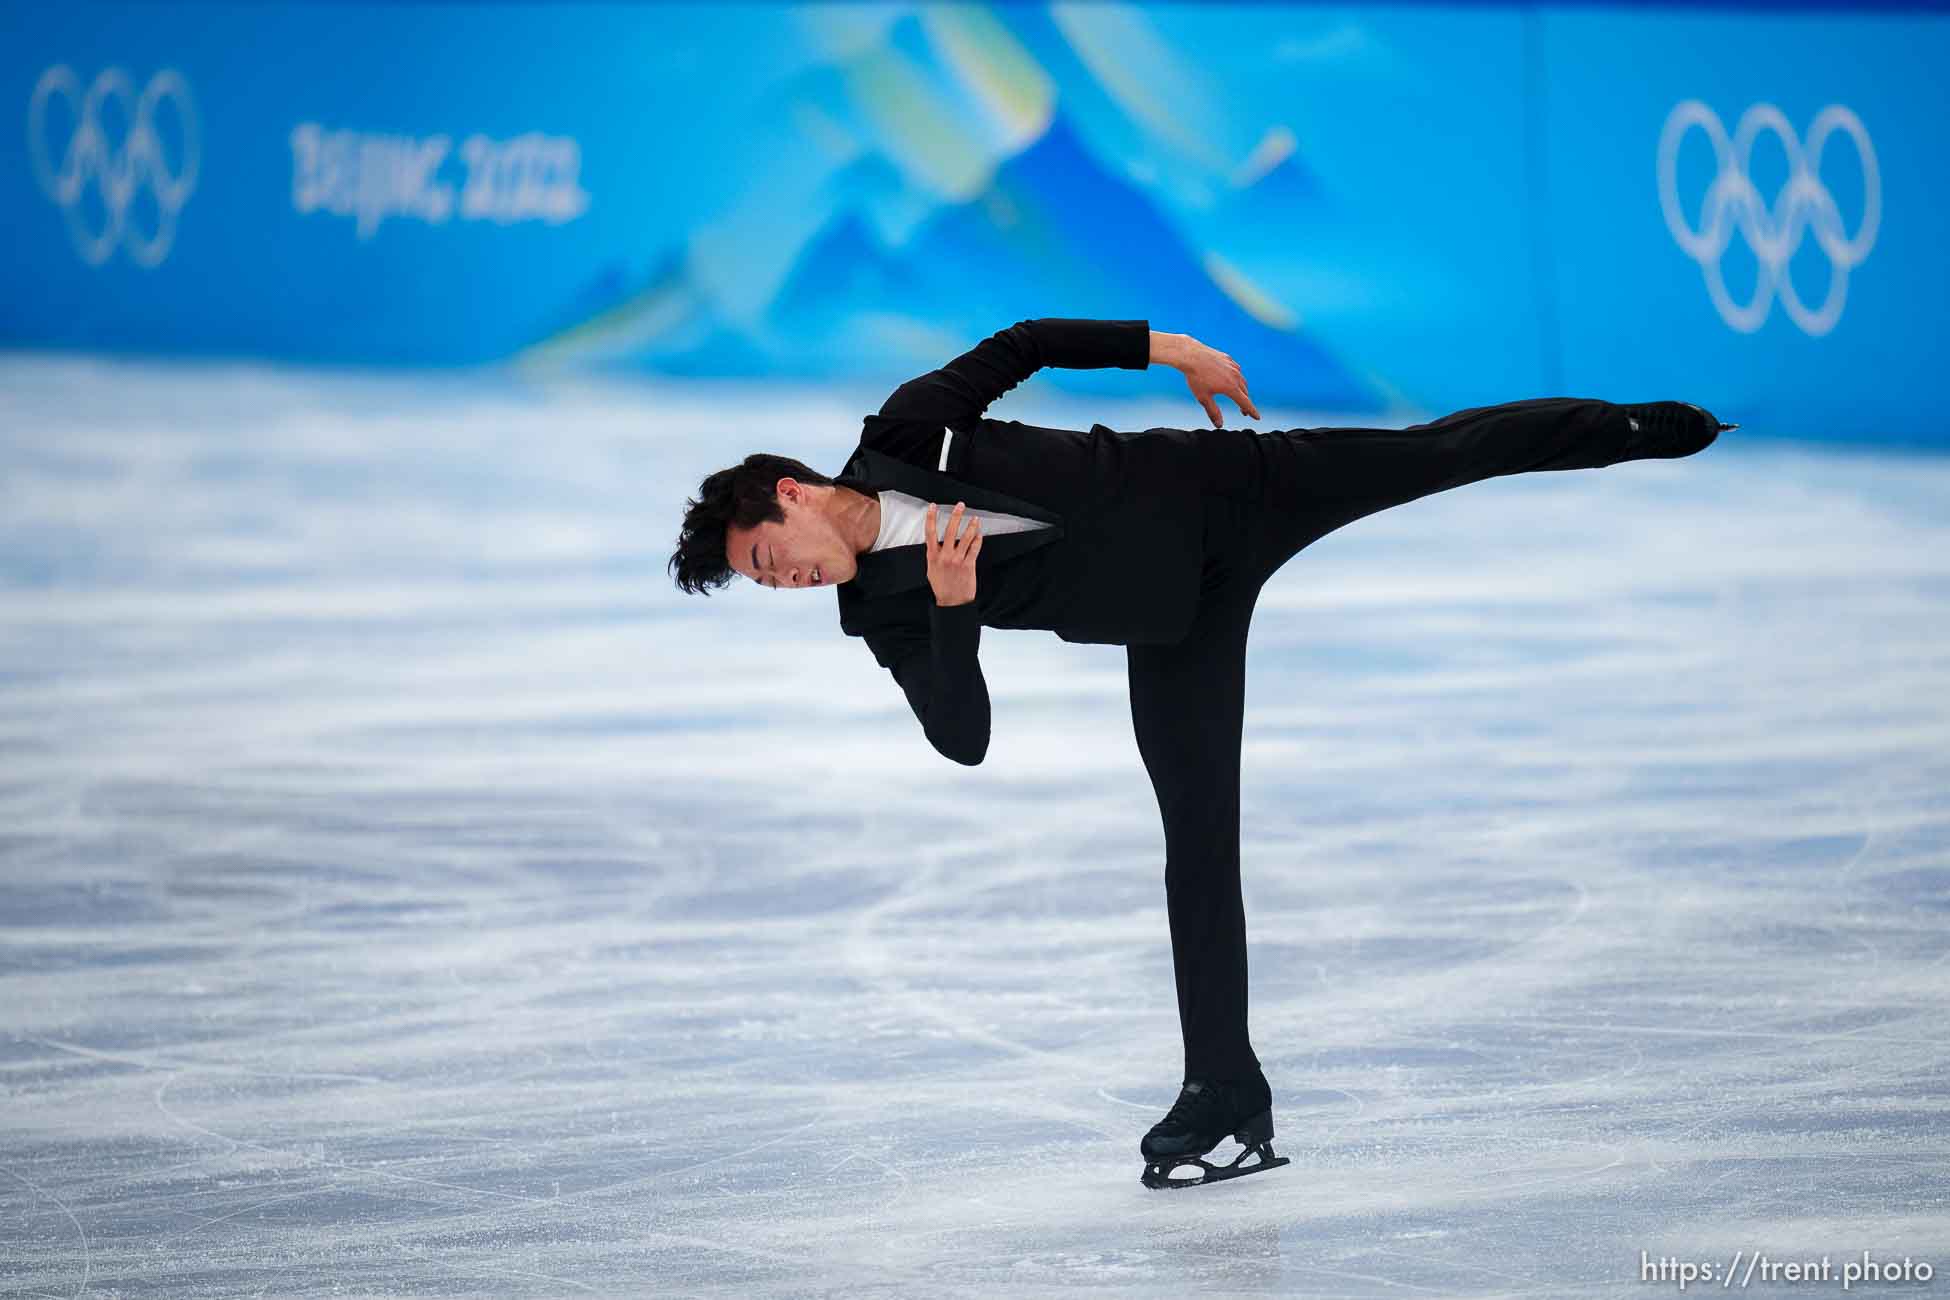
<point x="1267" y="496"/>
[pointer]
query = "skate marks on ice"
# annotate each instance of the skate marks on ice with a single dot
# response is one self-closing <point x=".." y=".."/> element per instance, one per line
<point x="402" y="889"/>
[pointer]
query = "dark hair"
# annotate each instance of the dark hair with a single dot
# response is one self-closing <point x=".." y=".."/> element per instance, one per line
<point x="745" y="495"/>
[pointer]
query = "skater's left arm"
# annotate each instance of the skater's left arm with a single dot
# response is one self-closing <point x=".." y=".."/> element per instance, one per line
<point x="958" y="393"/>
<point x="941" y="676"/>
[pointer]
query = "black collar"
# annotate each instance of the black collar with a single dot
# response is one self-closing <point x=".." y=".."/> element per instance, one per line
<point x="897" y="568"/>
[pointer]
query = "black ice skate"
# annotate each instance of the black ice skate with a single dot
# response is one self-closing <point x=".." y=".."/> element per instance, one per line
<point x="1206" y="1112"/>
<point x="1669" y="430"/>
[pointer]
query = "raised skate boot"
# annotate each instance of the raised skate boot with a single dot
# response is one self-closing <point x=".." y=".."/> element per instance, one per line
<point x="1669" y="430"/>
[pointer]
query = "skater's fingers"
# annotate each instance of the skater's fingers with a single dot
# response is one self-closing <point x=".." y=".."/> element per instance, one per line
<point x="938" y="541"/>
<point x="1241" y="397"/>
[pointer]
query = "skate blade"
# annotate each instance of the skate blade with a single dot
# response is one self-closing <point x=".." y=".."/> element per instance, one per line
<point x="1158" y="1174"/>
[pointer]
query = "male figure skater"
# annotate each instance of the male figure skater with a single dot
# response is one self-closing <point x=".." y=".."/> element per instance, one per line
<point x="943" y="521"/>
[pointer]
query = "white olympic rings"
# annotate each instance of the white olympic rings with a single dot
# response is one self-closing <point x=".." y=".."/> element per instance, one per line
<point x="118" y="172"/>
<point x="1732" y="202"/>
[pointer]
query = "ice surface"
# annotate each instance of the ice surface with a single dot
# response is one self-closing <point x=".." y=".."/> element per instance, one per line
<point x="405" y="890"/>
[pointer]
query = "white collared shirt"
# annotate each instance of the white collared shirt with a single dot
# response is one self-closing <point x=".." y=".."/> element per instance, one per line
<point x="904" y="520"/>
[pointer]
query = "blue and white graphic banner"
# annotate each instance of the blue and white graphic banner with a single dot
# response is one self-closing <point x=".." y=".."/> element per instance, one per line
<point x="1388" y="209"/>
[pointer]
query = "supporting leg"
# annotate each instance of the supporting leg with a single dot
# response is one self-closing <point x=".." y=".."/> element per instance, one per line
<point x="1188" y="711"/>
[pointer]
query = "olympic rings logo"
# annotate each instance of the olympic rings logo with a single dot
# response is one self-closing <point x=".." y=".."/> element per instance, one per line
<point x="1804" y="203"/>
<point x="118" y="172"/>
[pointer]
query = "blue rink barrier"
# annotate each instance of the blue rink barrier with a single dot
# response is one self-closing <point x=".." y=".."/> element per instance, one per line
<point x="1397" y="208"/>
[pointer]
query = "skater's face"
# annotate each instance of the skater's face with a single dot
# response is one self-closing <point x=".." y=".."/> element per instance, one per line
<point x="805" y="549"/>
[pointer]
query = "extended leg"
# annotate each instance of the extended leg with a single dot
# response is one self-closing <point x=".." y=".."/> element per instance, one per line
<point x="1309" y="482"/>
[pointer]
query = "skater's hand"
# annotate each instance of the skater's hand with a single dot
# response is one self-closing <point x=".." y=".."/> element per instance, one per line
<point x="1208" y="372"/>
<point x="951" y="563"/>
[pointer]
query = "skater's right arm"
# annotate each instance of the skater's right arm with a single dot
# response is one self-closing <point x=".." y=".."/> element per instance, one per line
<point x="942" y="679"/>
<point x="959" y="392"/>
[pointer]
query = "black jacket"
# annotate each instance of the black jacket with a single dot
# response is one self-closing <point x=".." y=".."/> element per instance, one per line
<point x="1119" y="565"/>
